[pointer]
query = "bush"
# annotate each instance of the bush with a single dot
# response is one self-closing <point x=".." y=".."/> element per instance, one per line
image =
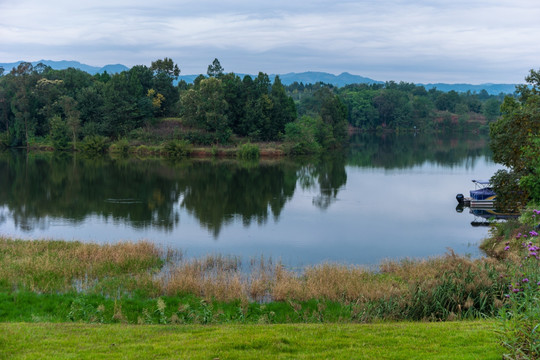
<point x="177" y="148"/>
<point x="94" y="145"/>
<point x="59" y="133"/>
<point x="248" y="151"/>
<point x="5" y="140"/>
<point x="520" y="317"/>
<point x="301" y="136"/>
<point x="120" y="147"/>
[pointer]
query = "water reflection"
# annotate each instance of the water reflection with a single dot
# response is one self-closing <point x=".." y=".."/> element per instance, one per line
<point x="402" y="151"/>
<point x="151" y="193"/>
<point x="39" y="189"/>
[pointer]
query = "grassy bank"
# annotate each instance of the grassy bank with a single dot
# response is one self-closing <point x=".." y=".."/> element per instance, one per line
<point x="140" y="283"/>
<point x="170" y="138"/>
<point x="450" y="340"/>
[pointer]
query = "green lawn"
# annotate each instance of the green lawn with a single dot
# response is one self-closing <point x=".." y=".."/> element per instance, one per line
<point x="403" y="340"/>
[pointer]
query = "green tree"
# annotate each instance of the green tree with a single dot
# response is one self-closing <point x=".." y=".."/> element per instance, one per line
<point x="333" y="114"/>
<point x="215" y="69"/>
<point x="206" y="107"/>
<point x="166" y="67"/>
<point x="491" y="109"/>
<point x="302" y="136"/>
<point x="394" y="108"/>
<point x="165" y="73"/>
<point x="72" y="115"/>
<point x="59" y="132"/>
<point x="21" y="104"/>
<point x="514" y="143"/>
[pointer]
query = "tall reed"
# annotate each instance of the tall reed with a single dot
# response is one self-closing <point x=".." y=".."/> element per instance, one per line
<point x="440" y="288"/>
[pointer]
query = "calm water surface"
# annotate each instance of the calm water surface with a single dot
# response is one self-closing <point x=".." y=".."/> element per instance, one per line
<point x="389" y="196"/>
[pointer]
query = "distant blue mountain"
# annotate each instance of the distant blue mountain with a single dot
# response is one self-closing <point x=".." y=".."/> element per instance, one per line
<point x="492" y="89"/>
<point x="64" y="64"/>
<point x="308" y="77"/>
<point x="311" y="77"/>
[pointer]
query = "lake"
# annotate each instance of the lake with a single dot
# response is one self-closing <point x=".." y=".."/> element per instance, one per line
<point x="385" y="196"/>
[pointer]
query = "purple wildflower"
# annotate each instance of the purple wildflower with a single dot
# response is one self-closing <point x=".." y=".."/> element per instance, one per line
<point x="507" y="248"/>
<point x="525" y="280"/>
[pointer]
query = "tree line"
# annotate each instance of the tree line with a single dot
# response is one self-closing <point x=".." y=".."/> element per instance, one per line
<point x="405" y="105"/>
<point x="65" y="106"/>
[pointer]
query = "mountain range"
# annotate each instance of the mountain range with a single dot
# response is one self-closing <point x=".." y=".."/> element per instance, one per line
<point x="64" y="64"/>
<point x="308" y="77"/>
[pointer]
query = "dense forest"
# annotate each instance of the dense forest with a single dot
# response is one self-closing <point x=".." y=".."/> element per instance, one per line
<point x="63" y="107"/>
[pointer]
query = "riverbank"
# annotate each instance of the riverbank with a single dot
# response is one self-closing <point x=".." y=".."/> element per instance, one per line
<point x="141" y="283"/>
<point x="448" y="340"/>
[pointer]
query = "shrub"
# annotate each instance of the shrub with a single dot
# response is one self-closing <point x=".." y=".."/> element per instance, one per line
<point x="248" y="151"/>
<point x="94" y="145"/>
<point x="301" y="136"/>
<point x="4" y="140"/>
<point x="120" y="147"/>
<point x="177" y="148"/>
<point x="59" y="133"/>
<point x="520" y="317"/>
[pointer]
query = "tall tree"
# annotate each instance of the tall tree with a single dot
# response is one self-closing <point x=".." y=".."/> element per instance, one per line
<point x="21" y="104"/>
<point x="165" y="73"/>
<point x="515" y="144"/>
<point x="215" y="69"/>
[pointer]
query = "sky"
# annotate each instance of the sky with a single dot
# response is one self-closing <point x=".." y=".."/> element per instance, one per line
<point x="421" y="41"/>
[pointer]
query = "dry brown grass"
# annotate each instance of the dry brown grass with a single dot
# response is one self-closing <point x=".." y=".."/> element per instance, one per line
<point x="46" y="265"/>
<point x="451" y="284"/>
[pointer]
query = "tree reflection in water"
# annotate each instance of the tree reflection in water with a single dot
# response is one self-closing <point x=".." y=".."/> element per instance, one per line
<point x="38" y="188"/>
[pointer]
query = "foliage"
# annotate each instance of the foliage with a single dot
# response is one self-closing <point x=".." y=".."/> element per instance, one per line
<point x="514" y="141"/>
<point x="248" y="151"/>
<point x="531" y="181"/>
<point x="59" y="133"/>
<point x="5" y="140"/>
<point x="94" y="145"/>
<point x="177" y="148"/>
<point x="403" y="105"/>
<point x="302" y="136"/>
<point x="510" y="197"/>
<point x="215" y="69"/>
<point x="120" y="147"/>
<point x="520" y="317"/>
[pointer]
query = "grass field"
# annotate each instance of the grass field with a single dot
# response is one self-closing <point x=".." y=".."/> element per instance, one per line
<point x="401" y="340"/>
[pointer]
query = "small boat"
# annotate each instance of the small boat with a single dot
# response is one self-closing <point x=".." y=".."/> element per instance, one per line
<point x="482" y="196"/>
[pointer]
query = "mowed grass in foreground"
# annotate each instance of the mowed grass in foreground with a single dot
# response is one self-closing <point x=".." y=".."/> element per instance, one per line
<point x="402" y="340"/>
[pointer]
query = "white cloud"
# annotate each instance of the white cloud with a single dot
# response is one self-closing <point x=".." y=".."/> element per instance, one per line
<point x="473" y="41"/>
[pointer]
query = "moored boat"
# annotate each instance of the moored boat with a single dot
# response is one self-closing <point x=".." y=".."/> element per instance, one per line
<point x="482" y="196"/>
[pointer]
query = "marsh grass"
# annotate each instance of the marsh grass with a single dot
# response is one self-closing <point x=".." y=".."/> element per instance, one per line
<point x="60" y="266"/>
<point x="140" y="283"/>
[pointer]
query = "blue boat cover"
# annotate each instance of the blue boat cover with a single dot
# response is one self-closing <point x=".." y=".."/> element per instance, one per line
<point x="482" y="194"/>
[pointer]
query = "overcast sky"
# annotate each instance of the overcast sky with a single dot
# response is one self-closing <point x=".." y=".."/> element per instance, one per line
<point x="473" y="41"/>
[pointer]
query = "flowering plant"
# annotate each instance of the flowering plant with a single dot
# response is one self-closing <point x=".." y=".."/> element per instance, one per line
<point x="520" y="317"/>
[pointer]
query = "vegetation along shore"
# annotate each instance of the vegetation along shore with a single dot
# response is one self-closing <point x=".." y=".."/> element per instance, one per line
<point x="147" y="111"/>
